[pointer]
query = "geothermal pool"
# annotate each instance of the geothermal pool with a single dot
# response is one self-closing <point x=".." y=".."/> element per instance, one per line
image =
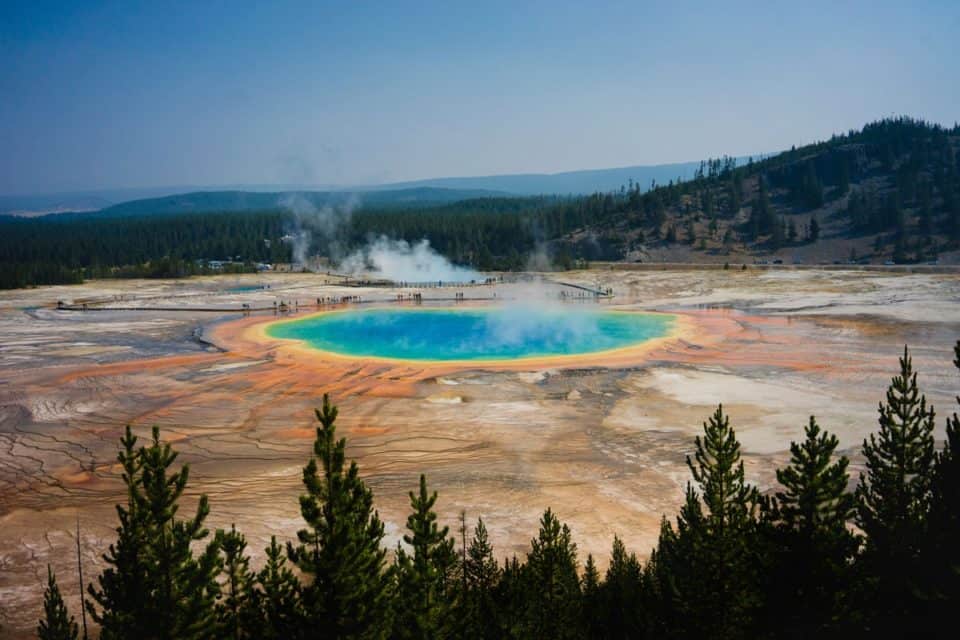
<point x="492" y="333"/>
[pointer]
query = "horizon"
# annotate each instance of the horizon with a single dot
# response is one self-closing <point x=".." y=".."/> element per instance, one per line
<point x="400" y="185"/>
<point x="107" y="97"/>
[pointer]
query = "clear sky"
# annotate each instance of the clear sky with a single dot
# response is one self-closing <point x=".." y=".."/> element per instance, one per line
<point x="127" y="94"/>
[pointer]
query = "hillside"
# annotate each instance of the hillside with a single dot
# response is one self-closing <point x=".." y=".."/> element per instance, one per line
<point x="889" y="192"/>
<point x="564" y="183"/>
<point x="209" y="201"/>
<point x="192" y="199"/>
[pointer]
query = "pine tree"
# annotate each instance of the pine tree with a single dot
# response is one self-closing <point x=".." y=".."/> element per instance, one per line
<point x="663" y="572"/>
<point x="482" y="575"/>
<point x="276" y="598"/>
<point x="123" y="592"/>
<point x="812" y="546"/>
<point x="183" y="588"/>
<point x="733" y="199"/>
<point x="154" y="586"/>
<point x="594" y="613"/>
<point x="707" y="570"/>
<point x="512" y="595"/>
<point x="621" y="593"/>
<point x="235" y="611"/>
<point x="941" y="555"/>
<point x="57" y="623"/>
<point x="762" y="220"/>
<point x="812" y="189"/>
<point x="843" y="178"/>
<point x="778" y="233"/>
<point x="340" y="548"/>
<point x="553" y="607"/>
<point x="426" y="581"/>
<point x="893" y="498"/>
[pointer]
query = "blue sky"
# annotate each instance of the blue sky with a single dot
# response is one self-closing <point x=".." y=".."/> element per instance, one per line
<point x="107" y="95"/>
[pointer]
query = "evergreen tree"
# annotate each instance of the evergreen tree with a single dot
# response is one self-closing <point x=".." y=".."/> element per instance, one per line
<point x="707" y="568"/>
<point x="482" y="575"/>
<point x="276" y="598"/>
<point x="814" y="234"/>
<point x="594" y="614"/>
<point x="348" y="596"/>
<point x="843" y="177"/>
<point x="811" y="190"/>
<point x="621" y="594"/>
<point x="236" y="611"/>
<point x="941" y="554"/>
<point x="123" y="593"/>
<point x="762" y="219"/>
<point x="733" y="197"/>
<point x="57" y="623"/>
<point x="426" y="583"/>
<point x="553" y="607"/>
<point x="778" y="233"/>
<point x="812" y="546"/>
<point x="174" y="593"/>
<point x="184" y="589"/>
<point x="512" y="596"/>
<point x="893" y="498"/>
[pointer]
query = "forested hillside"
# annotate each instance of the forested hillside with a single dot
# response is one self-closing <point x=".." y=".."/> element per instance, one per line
<point x="216" y="201"/>
<point x="887" y="193"/>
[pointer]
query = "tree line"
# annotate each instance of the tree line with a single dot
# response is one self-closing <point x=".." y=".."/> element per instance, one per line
<point x="811" y="558"/>
<point x="897" y="179"/>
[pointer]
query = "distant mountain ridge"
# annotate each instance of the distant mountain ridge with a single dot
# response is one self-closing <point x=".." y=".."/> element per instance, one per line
<point x="429" y="190"/>
<point x="580" y="182"/>
<point x="237" y="200"/>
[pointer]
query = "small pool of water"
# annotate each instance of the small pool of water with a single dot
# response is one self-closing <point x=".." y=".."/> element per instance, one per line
<point x="495" y="333"/>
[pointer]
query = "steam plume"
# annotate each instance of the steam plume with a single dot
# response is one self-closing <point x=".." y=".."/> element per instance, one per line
<point x="322" y="228"/>
<point x="312" y="222"/>
<point x="399" y="260"/>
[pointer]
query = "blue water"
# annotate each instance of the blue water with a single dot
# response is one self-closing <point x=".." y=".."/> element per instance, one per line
<point x="473" y="334"/>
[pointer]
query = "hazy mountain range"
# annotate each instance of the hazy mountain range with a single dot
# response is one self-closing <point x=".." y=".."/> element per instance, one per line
<point x="433" y="190"/>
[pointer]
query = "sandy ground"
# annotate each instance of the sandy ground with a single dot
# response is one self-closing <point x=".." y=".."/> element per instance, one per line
<point x="602" y="443"/>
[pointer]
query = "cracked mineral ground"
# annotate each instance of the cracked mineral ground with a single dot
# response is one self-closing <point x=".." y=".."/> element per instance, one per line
<point x="601" y="442"/>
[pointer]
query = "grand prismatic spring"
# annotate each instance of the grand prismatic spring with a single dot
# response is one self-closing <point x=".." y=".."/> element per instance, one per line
<point x="509" y="398"/>
<point x="491" y="333"/>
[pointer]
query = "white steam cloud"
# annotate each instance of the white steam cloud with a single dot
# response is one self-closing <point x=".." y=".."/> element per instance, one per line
<point x="311" y="221"/>
<point x="539" y="259"/>
<point x="534" y="311"/>
<point x="382" y="257"/>
<point x="400" y="261"/>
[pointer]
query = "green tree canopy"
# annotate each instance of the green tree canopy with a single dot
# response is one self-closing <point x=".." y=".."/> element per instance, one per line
<point x="426" y="582"/>
<point x="339" y="551"/>
<point x="57" y="623"/>
<point x="893" y="497"/>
